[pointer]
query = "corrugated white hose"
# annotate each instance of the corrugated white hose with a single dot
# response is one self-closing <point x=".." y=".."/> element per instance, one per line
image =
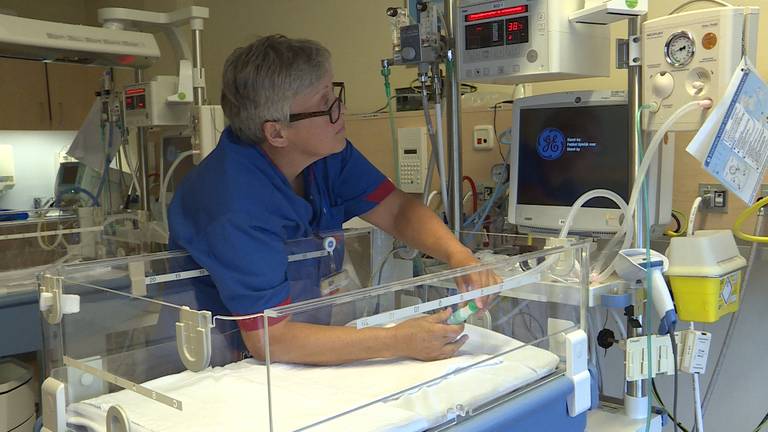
<point x="167" y="180"/>
<point x="627" y="219"/>
<point x="643" y="171"/>
<point x="115" y="218"/>
<point x="43" y="245"/>
<point x="654" y="146"/>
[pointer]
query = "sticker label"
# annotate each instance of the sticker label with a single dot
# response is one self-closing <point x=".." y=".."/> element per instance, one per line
<point x="729" y="289"/>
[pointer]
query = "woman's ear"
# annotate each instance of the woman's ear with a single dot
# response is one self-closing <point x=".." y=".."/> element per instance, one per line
<point x="274" y="133"/>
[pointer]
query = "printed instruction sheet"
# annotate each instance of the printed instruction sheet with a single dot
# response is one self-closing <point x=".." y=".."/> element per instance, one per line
<point x="732" y="143"/>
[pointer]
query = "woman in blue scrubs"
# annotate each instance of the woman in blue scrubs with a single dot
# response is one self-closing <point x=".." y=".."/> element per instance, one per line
<point x="283" y="170"/>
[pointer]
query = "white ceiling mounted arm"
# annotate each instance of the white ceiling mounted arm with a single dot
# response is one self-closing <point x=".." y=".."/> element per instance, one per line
<point x="191" y="79"/>
<point x="59" y="42"/>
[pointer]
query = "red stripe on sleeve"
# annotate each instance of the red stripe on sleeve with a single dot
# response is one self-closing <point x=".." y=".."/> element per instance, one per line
<point x="381" y="192"/>
<point x="257" y="323"/>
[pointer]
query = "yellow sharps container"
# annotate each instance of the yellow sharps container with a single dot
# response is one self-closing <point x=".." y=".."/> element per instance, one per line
<point x="705" y="271"/>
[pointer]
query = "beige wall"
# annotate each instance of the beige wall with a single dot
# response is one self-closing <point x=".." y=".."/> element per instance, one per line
<point x="68" y="11"/>
<point x="356" y="32"/>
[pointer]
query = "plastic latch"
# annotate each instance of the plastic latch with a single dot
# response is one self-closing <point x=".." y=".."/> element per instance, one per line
<point x="50" y="298"/>
<point x="193" y="338"/>
<point x="581" y="399"/>
<point x="576" y="349"/>
<point x="117" y="419"/>
<point x="54" y="406"/>
<point x="136" y="272"/>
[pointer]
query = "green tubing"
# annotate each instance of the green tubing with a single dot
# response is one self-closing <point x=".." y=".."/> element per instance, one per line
<point x="649" y="292"/>
<point x="385" y="71"/>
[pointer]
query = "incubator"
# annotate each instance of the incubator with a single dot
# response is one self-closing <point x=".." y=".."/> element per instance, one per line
<point x="145" y="343"/>
<point x="33" y="240"/>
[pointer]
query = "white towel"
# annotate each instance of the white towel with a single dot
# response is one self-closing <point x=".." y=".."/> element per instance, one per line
<point x="234" y="397"/>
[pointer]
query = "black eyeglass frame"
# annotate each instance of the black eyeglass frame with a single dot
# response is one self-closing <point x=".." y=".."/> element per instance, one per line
<point x="328" y="112"/>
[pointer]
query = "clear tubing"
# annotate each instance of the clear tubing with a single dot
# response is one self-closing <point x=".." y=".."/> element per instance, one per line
<point x="619" y="323"/>
<point x="167" y="180"/>
<point x="692" y="217"/>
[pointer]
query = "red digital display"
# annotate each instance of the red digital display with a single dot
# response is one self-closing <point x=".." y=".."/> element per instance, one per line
<point x="497" y="13"/>
<point x="515" y="26"/>
<point x="517" y="30"/>
<point x="134" y="91"/>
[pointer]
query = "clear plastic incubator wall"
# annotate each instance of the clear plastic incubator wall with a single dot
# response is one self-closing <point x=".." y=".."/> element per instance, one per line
<point x="33" y="239"/>
<point x="144" y="342"/>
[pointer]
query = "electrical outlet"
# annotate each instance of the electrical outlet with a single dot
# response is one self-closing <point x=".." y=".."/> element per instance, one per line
<point x="763" y="191"/>
<point x="486" y="193"/>
<point x="714" y="198"/>
<point x="483" y="137"/>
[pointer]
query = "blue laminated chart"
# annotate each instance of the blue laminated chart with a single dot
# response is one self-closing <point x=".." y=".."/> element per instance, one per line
<point x="739" y="152"/>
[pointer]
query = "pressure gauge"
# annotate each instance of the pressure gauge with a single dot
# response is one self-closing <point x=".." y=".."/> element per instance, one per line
<point x="679" y="49"/>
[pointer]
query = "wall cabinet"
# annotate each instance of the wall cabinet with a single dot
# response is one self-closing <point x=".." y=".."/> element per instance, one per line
<point x="45" y="96"/>
<point x="23" y="95"/>
<point x="72" y="90"/>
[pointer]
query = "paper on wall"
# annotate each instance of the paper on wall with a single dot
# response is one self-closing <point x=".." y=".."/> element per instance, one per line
<point x="732" y="143"/>
<point x="90" y="145"/>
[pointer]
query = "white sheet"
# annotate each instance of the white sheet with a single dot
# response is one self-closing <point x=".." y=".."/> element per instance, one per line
<point x="234" y="397"/>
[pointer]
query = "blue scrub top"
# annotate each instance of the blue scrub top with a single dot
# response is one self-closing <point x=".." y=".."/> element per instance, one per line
<point x="237" y="216"/>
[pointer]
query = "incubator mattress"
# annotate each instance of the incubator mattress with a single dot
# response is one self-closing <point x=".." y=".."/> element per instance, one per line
<point x="234" y="397"/>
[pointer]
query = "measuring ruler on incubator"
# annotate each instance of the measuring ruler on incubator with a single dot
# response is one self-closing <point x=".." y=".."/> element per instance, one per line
<point x="400" y="314"/>
<point x="124" y="383"/>
<point x="49" y="233"/>
<point x="156" y="279"/>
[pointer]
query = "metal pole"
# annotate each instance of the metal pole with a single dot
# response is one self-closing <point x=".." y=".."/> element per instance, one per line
<point x="634" y="96"/>
<point x="141" y="135"/>
<point x="636" y="389"/>
<point x="453" y="99"/>
<point x="197" y="68"/>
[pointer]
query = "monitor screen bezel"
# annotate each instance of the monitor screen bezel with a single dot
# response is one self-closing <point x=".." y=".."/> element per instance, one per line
<point x="547" y="218"/>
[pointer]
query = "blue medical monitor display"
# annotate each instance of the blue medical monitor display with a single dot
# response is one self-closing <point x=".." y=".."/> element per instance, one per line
<point x="567" y="151"/>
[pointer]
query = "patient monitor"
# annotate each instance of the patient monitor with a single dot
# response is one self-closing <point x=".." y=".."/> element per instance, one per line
<point x="565" y="144"/>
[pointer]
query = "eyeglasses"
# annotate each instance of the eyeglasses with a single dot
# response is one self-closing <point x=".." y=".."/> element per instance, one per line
<point x="333" y="112"/>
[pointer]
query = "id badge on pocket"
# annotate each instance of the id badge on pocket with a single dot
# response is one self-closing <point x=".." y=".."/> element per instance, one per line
<point x="334" y="283"/>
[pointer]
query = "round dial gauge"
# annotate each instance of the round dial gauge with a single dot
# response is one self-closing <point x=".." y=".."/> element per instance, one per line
<point x="679" y="49"/>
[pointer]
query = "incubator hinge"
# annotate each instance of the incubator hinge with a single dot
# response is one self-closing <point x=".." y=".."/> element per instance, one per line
<point x="53" y="303"/>
<point x="193" y="338"/>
